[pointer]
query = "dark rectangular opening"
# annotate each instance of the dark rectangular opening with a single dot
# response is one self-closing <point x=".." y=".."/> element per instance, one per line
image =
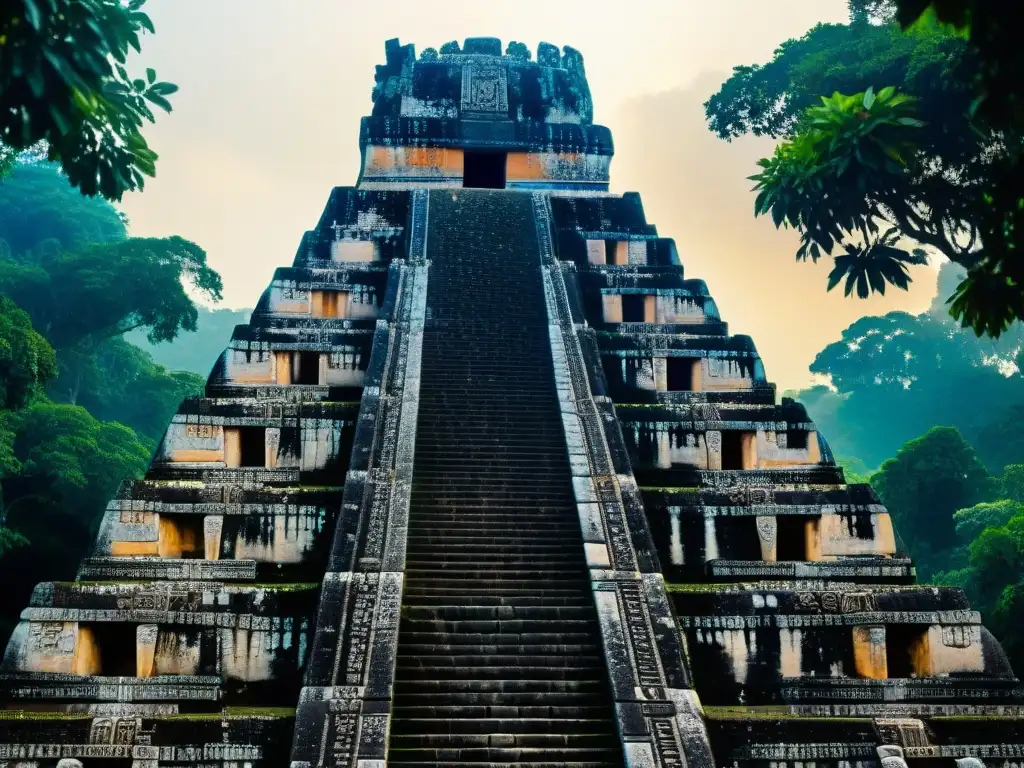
<point x="188" y="529"/>
<point x="483" y="170"/>
<point x="679" y="374"/>
<point x="115" y="644"/>
<point x="610" y="247"/>
<point x="737" y="537"/>
<point x="732" y="450"/>
<point x="796" y="439"/>
<point x="900" y="642"/>
<point x="632" y="308"/>
<point x="791" y="539"/>
<point x="253" y="447"/>
<point x="308" y="364"/>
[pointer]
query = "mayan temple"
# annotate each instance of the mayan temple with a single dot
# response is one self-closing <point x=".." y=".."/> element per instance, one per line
<point x="485" y="481"/>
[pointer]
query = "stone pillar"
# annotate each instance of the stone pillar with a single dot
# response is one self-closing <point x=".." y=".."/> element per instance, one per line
<point x="213" y="528"/>
<point x="145" y="650"/>
<point x="710" y="539"/>
<point x="768" y="534"/>
<point x="660" y="374"/>
<point x="869" y="652"/>
<point x="282" y="368"/>
<point x="612" y="307"/>
<point x="812" y="539"/>
<point x="87" y="653"/>
<point x="650" y="309"/>
<point x="232" y="447"/>
<point x="595" y="251"/>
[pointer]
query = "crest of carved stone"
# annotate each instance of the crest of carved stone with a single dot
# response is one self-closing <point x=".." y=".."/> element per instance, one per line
<point x="767" y="529"/>
<point x="484" y="89"/>
<point x="892" y="756"/>
<point x="705" y="412"/>
<point x="759" y="496"/>
<point x="901" y="732"/>
<point x="714" y="440"/>
<point x="858" y="602"/>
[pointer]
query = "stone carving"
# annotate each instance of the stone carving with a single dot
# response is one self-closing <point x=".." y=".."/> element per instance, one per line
<point x="484" y="89"/>
<point x="891" y="756"/>
<point x="969" y="762"/>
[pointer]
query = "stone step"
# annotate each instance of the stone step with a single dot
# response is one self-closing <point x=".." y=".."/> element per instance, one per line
<point x="497" y="626"/>
<point x="612" y="763"/>
<point x="423" y="650"/>
<point x="492" y="755"/>
<point x="452" y="597"/>
<point x="499" y="612"/>
<point x="541" y="713"/>
<point x="450" y="687"/>
<point x="515" y="661"/>
<point x="559" y="734"/>
<point x="468" y="639"/>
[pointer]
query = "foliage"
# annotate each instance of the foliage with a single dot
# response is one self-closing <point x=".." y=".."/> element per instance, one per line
<point x="891" y="378"/>
<point x="929" y="479"/>
<point x="26" y="360"/>
<point x="63" y="82"/>
<point x="106" y="289"/>
<point x="844" y="169"/>
<point x="38" y="203"/>
<point x="69" y="466"/>
<point x="972" y="521"/>
<point x="117" y="381"/>
<point x="197" y="351"/>
<point x="858" y="174"/>
<point x="854" y="470"/>
<point x="1001" y="441"/>
<point x="452" y="46"/>
<point x="1011" y="484"/>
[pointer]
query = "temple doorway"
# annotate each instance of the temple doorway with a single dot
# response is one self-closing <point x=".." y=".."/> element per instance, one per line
<point x="484" y="170"/>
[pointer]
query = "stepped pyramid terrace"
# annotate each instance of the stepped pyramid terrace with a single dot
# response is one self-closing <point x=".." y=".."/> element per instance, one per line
<point x="486" y="481"/>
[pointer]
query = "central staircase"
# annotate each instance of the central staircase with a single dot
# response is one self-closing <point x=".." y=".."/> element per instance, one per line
<point x="499" y="655"/>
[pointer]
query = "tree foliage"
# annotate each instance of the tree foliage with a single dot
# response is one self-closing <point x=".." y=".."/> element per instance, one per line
<point x="106" y="289"/>
<point x="891" y="378"/>
<point x="906" y="154"/>
<point x="38" y="203"/>
<point x="26" y="360"/>
<point x="64" y="84"/>
<point x="924" y="484"/>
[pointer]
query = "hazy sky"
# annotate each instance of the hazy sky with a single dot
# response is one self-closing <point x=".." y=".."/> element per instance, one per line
<point x="267" y="121"/>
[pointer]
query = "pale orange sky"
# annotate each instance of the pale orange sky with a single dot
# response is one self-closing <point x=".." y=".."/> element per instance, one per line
<point x="267" y="121"/>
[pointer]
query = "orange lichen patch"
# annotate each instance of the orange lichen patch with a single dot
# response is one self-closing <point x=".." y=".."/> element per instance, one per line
<point x="232" y="448"/>
<point x="179" y="537"/>
<point x="885" y="536"/>
<point x="869" y="657"/>
<point x="650" y="308"/>
<point x="195" y="456"/>
<point x="812" y="539"/>
<point x="748" y="441"/>
<point x="253" y="377"/>
<point x="283" y="367"/>
<point x="920" y="654"/>
<point x="145" y="650"/>
<point x="86" y="660"/>
<point x="354" y="250"/>
<point x="133" y="548"/>
<point x="332" y="304"/>
<point x="415" y="161"/>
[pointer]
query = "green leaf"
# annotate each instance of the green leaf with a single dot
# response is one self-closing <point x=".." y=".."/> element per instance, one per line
<point x="163" y="89"/>
<point x="869" y="98"/>
<point x="151" y="75"/>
